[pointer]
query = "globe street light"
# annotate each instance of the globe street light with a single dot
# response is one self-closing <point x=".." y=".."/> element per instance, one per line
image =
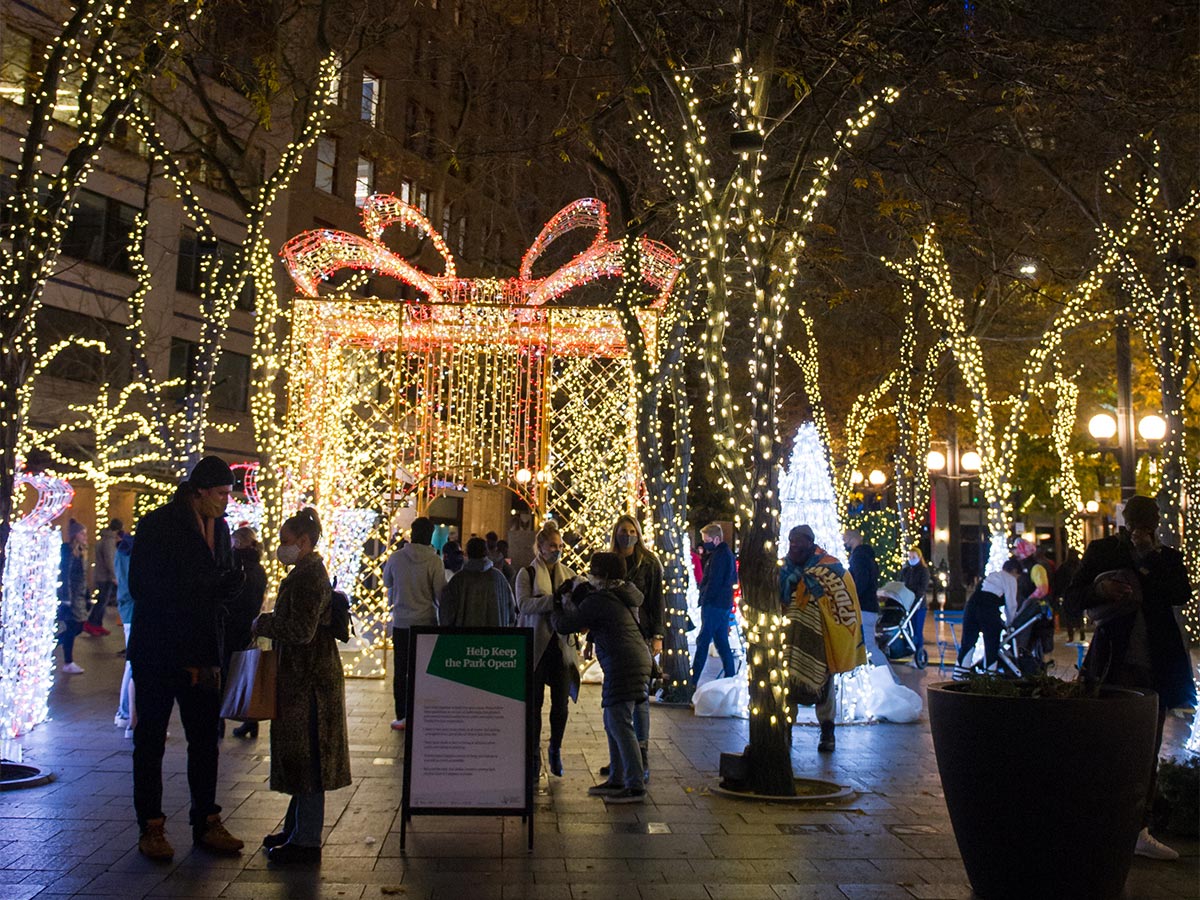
<point x="1102" y="427"/>
<point x="1152" y="428"/>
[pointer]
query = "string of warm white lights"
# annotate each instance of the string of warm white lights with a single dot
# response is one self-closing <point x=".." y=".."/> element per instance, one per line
<point x="90" y="69"/>
<point x="929" y="271"/>
<point x="1160" y="282"/>
<point x="737" y="252"/>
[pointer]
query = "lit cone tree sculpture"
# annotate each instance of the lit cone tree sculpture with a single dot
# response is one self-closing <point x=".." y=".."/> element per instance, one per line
<point x="743" y="264"/>
<point x="103" y="53"/>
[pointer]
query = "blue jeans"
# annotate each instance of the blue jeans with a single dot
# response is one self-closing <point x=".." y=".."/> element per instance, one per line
<point x="305" y="818"/>
<point x="641" y="722"/>
<point x="123" y="705"/>
<point x="714" y="629"/>
<point x="624" y="755"/>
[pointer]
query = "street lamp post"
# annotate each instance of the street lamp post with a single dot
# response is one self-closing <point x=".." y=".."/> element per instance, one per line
<point x="958" y="469"/>
<point x="1104" y="428"/>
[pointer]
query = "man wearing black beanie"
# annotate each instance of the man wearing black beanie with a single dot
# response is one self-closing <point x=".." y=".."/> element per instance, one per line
<point x="180" y="573"/>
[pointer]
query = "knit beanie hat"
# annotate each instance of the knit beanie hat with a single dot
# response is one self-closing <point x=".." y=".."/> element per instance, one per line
<point x="1141" y="512"/>
<point x="212" y="471"/>
<point x="608" y="566"/>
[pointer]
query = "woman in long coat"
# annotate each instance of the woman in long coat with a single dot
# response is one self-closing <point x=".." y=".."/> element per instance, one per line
<point x="310" y="753"/>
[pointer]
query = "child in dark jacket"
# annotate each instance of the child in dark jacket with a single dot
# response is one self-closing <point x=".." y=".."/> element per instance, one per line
<point x="604" y="606"/>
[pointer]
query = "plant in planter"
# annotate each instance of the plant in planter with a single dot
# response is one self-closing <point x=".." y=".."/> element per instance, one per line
<point x="1045" y="782"/>
<point x="1177" y="806"/>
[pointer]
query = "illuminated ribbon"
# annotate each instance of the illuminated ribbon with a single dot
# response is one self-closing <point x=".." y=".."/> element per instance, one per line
<point x="314" y="256"/>
<point x="54" y="496"/>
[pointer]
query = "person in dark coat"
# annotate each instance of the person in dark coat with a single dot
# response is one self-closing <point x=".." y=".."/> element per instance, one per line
<point x="72" y="593"/>
<point x="180" y="575"/>
<point x="915" y="577"/>
<point x="479" y="595"/>
<point x="604" y="605"/>
<point x="243" y="608"/>
<point x="716" y="601"/>
<point x="864" y="570"/>
<point x="1130" y="585"/>
<point x="310" y="750"/>
<point x="644" y="572"/>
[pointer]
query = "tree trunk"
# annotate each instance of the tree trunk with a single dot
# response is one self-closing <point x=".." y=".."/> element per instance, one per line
<point x="769" y="754"/>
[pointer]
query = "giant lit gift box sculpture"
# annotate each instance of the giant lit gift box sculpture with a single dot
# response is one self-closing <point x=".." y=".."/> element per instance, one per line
<point x="481" y="380"/>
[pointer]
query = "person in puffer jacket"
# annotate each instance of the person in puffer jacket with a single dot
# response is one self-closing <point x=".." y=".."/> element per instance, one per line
<point x="604" y="607"/>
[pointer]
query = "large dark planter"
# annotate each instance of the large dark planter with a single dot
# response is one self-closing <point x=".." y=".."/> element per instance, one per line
<point x="1045" y="795"/>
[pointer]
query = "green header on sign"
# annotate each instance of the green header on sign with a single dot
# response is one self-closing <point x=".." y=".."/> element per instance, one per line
<point x="492" y="663"/>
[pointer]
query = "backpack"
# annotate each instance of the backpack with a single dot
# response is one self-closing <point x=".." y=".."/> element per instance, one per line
<point x="339" y="615"/>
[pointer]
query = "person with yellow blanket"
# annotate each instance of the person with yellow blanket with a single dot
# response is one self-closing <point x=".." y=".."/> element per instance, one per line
<point x="823" y="628"/>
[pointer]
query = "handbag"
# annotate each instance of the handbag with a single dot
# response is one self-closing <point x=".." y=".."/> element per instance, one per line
<point x="250" y="693"/>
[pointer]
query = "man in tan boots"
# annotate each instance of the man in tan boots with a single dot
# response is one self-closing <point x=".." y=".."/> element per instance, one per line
<point x="180" y="573"/>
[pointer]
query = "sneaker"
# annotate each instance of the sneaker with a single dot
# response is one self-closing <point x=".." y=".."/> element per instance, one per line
<point x="120" y="722"/>
<point x="129" y="733"/>
<point x="1152" y="848"/>
<point x="71" y="668"/>
<point x="960" y="673"/>
<point x="153" y="843"/>
<point x="627" y="795"/>
<point x="605" y="788"/>
<point x="399" y="724"/>
<point x="827" y="743"/>
<point x="212" y="835"/>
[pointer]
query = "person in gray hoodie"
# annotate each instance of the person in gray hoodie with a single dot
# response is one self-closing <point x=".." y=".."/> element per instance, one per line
<point x="415" y="578"/>
<point x="478" y="595"/>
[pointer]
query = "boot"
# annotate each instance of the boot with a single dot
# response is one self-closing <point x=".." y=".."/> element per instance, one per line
<point x="213" y="836"/>
<point x="554" y="757"/>
<point x="246" y="730"/>
<point x="827" y="743"/>
<point x="153" y="843"/>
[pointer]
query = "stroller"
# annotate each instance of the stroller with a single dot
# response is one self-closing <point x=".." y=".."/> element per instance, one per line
<point x="894" y="626"/>
<point x="1024" y="642"/>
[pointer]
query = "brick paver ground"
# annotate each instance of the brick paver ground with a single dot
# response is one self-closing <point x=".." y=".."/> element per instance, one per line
<point x="77" y="836"/>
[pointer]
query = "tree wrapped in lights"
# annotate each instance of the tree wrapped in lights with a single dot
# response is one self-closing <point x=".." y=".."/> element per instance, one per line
<point x="928" y="271"/>
<point x="27" y="611"/>
<point x="739" y="251"/>
<point x="1157" y="271"/>
<point x="102" y="54"/>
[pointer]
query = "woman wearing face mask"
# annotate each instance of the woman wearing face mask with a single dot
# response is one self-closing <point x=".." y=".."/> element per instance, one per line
<point x="310" y="753"/>
<point x="555" y="663"/>
<point x="915" y="577"/>
<point x="644" y="572"/>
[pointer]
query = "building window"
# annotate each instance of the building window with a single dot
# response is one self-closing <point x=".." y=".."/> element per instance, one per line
<point x="406" y="191"/>
<point x="188" y="276"/>
<point x="423" y="202"/>
<point x="327" y="154"/>
<point x="79" y="363"/>
<point x="462" y="236"/>
<point x="364" y="180"/>
<point x="372" y="87"/>
<point x="16" y="61"/>
<point x="447" y="222"/>
<point x="231" y="380"/>
<point x="100" y="231"/>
